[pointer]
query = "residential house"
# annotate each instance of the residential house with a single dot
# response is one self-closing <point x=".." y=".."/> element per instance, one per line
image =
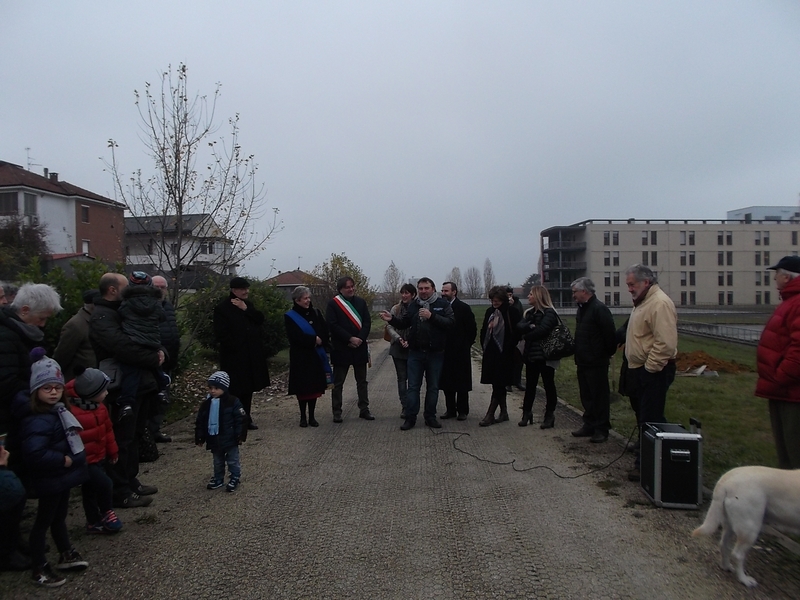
<point x="286" y="281"/>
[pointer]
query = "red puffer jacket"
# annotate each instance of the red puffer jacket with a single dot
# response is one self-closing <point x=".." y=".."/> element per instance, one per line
<point x="778" y="354"/>
<point x="98" y="433"/>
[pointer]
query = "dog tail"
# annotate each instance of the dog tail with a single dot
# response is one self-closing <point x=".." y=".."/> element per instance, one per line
<point x="714" y="518"/>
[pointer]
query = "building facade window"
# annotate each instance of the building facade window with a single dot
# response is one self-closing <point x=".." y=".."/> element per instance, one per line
<point x="691" y="238"/>
<point x="608" y="299"/>
<point x="607" y="279"/>
<point x="766" y="298"/>
<point x="729" y="258"/>
<point x="682" y="238"/>
<point x="767" y="279"/>
<point x="85" y="246"/>
<point x="683" y="258"/>
<point x="766" y="258"/>
<point x="766" y="238"/>
<point x="29" y="204"/>
<point x="758" y="278"/>
<point x="758" y="258"/>
<point x="616" y="298"/>
<point x="653" y="238"/>
<point x="794" y="238"/>
<point x="758" y="297"/>
<point x="720" y="238"/>
<point x="730" y="298"/>
<point x="691" y="259"/>
<point x="730" y="278"/>
<point x="8" y="203"/>
<point x="720" y="278"/>
<point x="616" y="278"/>
<point x="607" y="259"/>
<point x="606" y="238"/>
<point x="615" y="238"/>
<point x="720" y="258"/>
<point x="729" y="238"/>
<point x="692" y="298"/>
<point x="645" y="238"/>
<point x="84" y="214"/>
<point x="653" y="258"/>
<point x="692" y="278"/>
<point x="758" y="238"/>
<point x="615" y="259"/>
<point x="645" y="257"/>
<point x="683" y="278"/>
<point x="684" y="298"/>
<point x="721" y="299"/>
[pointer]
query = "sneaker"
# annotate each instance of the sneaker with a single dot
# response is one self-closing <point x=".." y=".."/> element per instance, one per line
<point x="46" y="577"/>
<point x="163" y="397"/>
<point x="232" y="484"/>
<point x="111" y="522"/>
<point x="125" y="412"/>
<point x="146" y="490"/>
<point x="215" y="484"/>
<point x="133" y="501"/>
<point x="71" y="560"/>
<point x="95" y="527"/>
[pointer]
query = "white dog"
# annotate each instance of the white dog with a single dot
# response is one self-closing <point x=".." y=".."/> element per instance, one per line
<point x="745" y="499"/>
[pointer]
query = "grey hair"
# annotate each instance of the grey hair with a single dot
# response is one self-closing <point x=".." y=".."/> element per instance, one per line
<point x="791" y="274"/>
<point x="299" y="292"/>
<point x="640" y="273"/>
<point x="583" y="283"/>
<point x="38" y="297"/>
<point x="9" y="288"/>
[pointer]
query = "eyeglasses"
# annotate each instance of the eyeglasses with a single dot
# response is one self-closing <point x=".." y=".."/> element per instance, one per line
<point x="49" y="388"/>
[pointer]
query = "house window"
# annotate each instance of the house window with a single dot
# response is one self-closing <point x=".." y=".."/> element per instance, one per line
<point x="616" y="278"/>
<point x="653" y="258"/>
<point x="766" y="238"/>
<point x="607" y="279"/>
<point x="730" y="278"/>
<point x="150" y="246"/>
<point x="720" y="278"/>
<point x="615" y="259"/>
<point x="729" y="256"/>
<point x="85" y="246"/>
<point x="645" y="257"/>
<point x="683" y="298"/>
<point x="720" y="258"/>
<point x="645" y="238"/>
<point x="608" y="299"/>
<point x="730" y="298"/>
<point x="729" y="238"/>
<point x="606" y="238"/>
<point x="683" y="238"/>
<point x="615" y="238"/>
<point x="8" y="203"/>
<point x="692" y="280"/>
<point x="692" y="298"/>
<point x="721" y="298"/>
<point x="720" y="237"/>
<point x="84" y="214"/>
<point x="683" y="258"/>
<point x="203" y="248"/>
<point x="766" y="298"/>
<point x="691" y="238"/>
<point x="758" y="297"/>
<point x="29" y="204"/>
<point x="691" y="258"/>
<point x="616" y="298"/>
<point x="173" y="248"/>
<point x="683" y="278"/>
<point x="211" y="247"/>
<point x="607" y="259"/>
<point x="758" y="238"/>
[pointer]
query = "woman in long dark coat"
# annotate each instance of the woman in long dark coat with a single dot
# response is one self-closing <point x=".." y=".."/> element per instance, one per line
<point x="307" y="371"/>
<point x="535" y="327"/>
<point x="498" y="341"/>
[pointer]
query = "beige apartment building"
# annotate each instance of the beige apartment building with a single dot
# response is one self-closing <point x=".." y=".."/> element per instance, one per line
<point x="699" y="262"/>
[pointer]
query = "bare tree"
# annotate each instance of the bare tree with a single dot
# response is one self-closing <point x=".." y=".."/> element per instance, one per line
<point x="392" y="282"/>
<point x="455" y="277"/>
<point x="472" y="283"/>
<point x="532" y="280"/>
<point x="488" y="277"/>
<point x="339" y="265"/>
<point x="202" y="192"/>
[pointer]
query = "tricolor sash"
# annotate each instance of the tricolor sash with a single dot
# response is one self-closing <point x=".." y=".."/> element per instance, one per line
<point x="348" y="310"/>
<point x="306" y="328"/>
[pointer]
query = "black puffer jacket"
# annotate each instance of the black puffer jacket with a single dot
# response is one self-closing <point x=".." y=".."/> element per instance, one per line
<point x="231" y="418"/>
<point x="142" y="314"/>
<point x="595" y="334"/>
<point x="16" y="340"/>
<point x="535" y="327"/>
<point x="428" y="334"/>
<point x="170" y="336"/>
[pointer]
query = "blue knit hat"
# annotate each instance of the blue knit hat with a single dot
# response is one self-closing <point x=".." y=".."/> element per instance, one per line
<point x="45" y="371"/>
<point x="220" y="379"/>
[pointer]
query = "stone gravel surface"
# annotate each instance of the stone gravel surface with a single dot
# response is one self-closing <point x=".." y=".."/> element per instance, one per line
<point x="364" y="510"/>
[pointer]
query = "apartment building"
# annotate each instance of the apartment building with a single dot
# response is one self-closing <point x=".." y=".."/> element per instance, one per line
<point x="699" y="262"/>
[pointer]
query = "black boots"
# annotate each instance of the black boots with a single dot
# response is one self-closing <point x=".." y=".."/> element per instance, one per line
<point x="312" y="404"/>
<point x="527" y="417"/>
<point x="549" y="421"/>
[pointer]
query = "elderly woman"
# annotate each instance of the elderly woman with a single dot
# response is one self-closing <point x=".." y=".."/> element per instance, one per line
<point x="498" y="341"/>
<point x="309" y="369"/>
<point x="536" y="325"/>
<point x="398" y="349"/>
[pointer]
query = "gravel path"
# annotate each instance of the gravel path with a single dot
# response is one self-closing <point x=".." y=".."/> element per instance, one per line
<point x="364" y="510"/>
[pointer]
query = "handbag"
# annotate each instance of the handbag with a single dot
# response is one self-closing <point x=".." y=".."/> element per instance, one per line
<point x="112" y="368"/>
<point x="386" y="335"/>
<point x="559" y="344"/>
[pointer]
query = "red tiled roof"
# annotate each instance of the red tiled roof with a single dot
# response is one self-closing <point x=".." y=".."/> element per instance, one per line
<point x="294" y="278"/>
<point x="12" y="175"/>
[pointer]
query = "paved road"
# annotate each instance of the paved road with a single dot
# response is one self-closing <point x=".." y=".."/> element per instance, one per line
<point x="364" y="510"/>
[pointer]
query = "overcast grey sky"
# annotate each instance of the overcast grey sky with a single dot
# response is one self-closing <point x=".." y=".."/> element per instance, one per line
<point x="435" y="134"/>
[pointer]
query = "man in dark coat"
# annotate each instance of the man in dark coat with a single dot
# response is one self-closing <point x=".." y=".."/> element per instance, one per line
<point x="515" y="311"/>
<point x="595" y="343"/>
<point x="74" y="348"/>
<point x="171" y="341"/>
<point x="349" y="323"/>
<point x="111" y="342"/>
<point x="456" y="378"/>
<point x="428" y="319"/>
<point x="238" y="327"/>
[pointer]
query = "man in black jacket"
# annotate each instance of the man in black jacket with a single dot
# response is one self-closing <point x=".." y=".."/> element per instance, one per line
<point x="595" y="343"/>
<point x="349" y="322"/>
<point x="238" y="327"/>
<point x="171" y="340"/>
<point x="456" y="378"/>
<point x="429" y="318"/>
<point x="110" y="341"/>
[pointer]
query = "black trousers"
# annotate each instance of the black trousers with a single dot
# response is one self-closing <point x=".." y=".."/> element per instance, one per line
<point x="595" y="397"/>
<point x="456" y="402"/>
<point x="124" y="474"/>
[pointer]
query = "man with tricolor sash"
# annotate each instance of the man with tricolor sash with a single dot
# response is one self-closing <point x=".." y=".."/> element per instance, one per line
<point x="348" y="321"/>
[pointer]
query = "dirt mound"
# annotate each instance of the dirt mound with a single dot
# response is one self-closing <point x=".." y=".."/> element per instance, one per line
<point x="688" y="361"/>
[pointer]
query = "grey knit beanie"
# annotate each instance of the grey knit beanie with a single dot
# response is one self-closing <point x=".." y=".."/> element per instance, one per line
<point x="45" y="371"/>
<point x="220" y="379"/>
<point x="90" y="383"/>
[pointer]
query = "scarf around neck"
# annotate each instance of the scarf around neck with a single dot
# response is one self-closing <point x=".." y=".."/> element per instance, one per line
<point x="72" y="428"/>
<point x="496" y="330"/>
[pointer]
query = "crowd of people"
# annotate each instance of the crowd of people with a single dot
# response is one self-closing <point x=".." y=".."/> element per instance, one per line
<point x="77" y="418"/>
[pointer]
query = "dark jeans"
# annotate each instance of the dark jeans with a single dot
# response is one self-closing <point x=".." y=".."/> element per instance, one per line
<point x="648" y="391"/>
<point x="595" y="397"/>
<point x="96" y="493"/>
<point x="124" y="473"/>
<point x="429" y="364"/>
<point x="339" y="375"/>
<point x="229" y="456"/>
<point x="129" y="386"/>
<point x="51" y="514"/>
<point x="548" y="374"/>
<point x="401" y="368"/>
<point x="456" y="402"/>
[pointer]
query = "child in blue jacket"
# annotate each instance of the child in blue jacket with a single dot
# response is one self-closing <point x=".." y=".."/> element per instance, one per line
<point x="220" y="426"/>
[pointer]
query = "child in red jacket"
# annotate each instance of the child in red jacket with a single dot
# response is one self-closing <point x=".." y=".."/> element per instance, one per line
<point x="89" y="390"/>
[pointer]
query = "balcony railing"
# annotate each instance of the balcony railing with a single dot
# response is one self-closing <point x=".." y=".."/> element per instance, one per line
<point x="565" y="265"/>
<point x="557" y="245"/>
